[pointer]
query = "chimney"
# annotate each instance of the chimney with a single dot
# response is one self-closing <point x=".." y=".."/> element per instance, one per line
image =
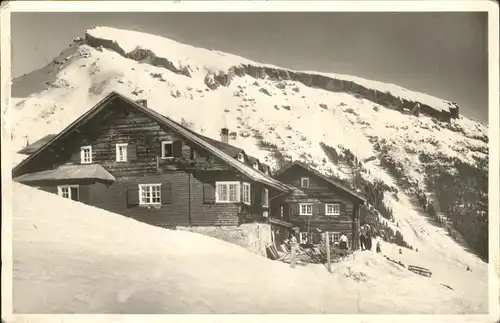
<point x="224" y="135"/>
<point x="143" y="102"/>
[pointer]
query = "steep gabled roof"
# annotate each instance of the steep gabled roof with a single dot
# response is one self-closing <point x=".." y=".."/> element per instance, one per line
<point x="348" y="190"/>
<point x="31" y="148"/>
<point x="181" y="130"/>
<point x="231" y="150"/>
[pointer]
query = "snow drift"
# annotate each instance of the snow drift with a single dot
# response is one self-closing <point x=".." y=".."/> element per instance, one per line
<point x="73" y="258"/>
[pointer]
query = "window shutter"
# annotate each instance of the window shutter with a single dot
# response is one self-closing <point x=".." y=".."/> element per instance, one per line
<point x="76" y="157"/>
<point x="342" y="209"/>
<point x="132" y="196"/>
<point x="166" y="193"/>
<point x="84" y="194"/>
<point x="257" y="196"/>
<point x="132" y="152"/>
<point x="294" y="209"/>
<point x="208" y="193"/>
<point x="322" y="208"/>
<point x="177" y="147"/>
<point x="263" y="197"/>
<point x="316" y="208"/>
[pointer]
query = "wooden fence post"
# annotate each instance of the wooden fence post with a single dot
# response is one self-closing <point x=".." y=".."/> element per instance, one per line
<point x="328" y="256"/>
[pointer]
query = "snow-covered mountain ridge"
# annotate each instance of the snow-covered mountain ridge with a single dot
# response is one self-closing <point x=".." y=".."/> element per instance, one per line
<point x="340" y="125"/>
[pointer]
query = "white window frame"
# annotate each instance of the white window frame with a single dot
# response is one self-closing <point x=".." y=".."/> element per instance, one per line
<point x="68" y="187"/>
<point x="142" y="187"/>
<point x="82" y="155"/>
<point x="163" y="143"/>
<point x="334" y="212"/>
<point x="281" y="211"/>
<point x="241" y="157"/>
<point x="332" y="236"/>
<point x="305" y="205"/>
<point x="246" y="193"/>
<point x="218" y="198"/>
<point x="304" y="179"/>
<point x="125" y="152"/>
<point x="265" y="202"/>
<point x="256" y="165"/>
<point x="302" y="239"/>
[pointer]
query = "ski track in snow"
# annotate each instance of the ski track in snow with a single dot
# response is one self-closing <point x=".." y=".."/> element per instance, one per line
<point x="293" y="120"/>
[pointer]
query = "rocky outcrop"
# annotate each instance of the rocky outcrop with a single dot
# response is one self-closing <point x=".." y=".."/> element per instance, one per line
<point x="223" y="78"/>
<point x="386" y="99"/>
<point x="138" y="54"/>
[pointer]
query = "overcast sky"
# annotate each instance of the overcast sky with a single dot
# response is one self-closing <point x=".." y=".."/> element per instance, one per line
<point x="442" y="54"/>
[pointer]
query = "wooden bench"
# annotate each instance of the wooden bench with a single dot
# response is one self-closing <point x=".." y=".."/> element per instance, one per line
<point x="420" y="270"/>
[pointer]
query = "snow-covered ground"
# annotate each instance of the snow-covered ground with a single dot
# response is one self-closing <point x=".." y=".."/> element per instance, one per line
<point x="72" y="258"/>
<point x="294" y="117"/>
<point x="75" y="248"/>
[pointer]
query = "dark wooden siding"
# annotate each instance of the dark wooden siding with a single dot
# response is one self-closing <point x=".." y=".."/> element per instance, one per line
<point x="118" y="123"/>
<point x="114" y="198"/>
<point x="84" y="189"/>
<point x="319" y="192"/>
<point x="179" y="209"/>
<point x="206" y="213"/>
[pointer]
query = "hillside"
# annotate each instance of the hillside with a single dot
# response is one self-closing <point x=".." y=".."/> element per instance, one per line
<point x="73" y="261"/>
<point x="425" y="175"/>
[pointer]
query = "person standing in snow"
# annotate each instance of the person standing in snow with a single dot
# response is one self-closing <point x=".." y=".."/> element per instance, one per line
<point x="378" y="247"/>
<point x="362" y="239"/>
<point x="368" y="238"/>
<point x="343" y="242"/>
<point x="293" y="250"/>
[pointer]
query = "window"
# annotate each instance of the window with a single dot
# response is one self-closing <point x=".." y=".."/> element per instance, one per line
<point x="332" y="209"/>
<point x="304" y="182"/>
<point x="281" y="211"/>
<point x="333" y="237"/>
<point x="227" y="192"/>
<point x="149" y="194"/>
<point x="306" y="208"/>
<point x="121" y="152"/>
<point x="69" y="192"/>
<point x="256" y="165"/>
<point x="167" y="149"/>
<point x="303" y="237"/>
<point x="86" y="155"/>
<point x="246" y="198"/>
<point x="265" y="197"/>
<point x="241" y="157"/>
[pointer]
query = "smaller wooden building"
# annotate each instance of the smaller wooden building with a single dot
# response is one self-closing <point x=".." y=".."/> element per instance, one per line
<point x="316" y="205"/>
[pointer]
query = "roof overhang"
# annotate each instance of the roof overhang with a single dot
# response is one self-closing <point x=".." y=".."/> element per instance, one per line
<point x="281" y="222"/>
<point x="66" y="173"/>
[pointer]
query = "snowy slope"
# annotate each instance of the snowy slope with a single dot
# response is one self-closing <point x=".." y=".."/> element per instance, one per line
<point x="73" y="261"/>
<point x="289" y="115"/>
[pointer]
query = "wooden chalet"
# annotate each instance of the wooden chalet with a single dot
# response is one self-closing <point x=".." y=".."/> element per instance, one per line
<point x="124" y="157"/>
<point x="316" y="205"/>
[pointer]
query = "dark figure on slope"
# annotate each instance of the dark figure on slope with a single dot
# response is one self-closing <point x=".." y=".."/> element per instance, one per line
<point x="368" y="238"/>
<point x="343" y="242"/>
<point x="362" y="238"/>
